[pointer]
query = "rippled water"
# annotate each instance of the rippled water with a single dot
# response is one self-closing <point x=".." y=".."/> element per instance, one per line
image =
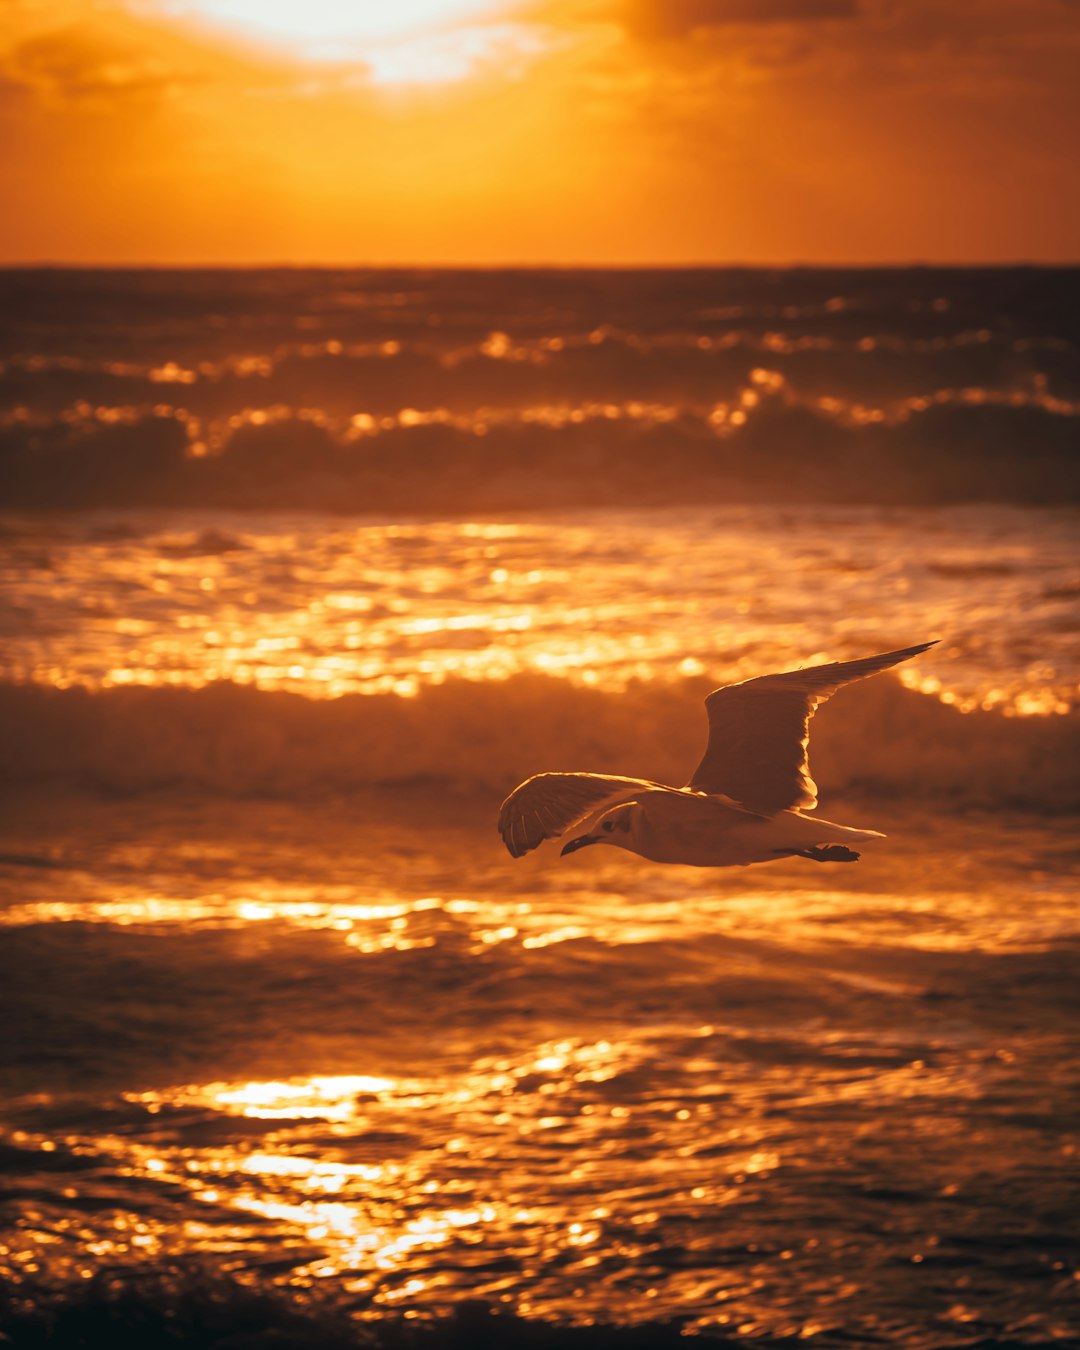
<point x="325" y="608"/>
<point x="310" y="570"/>
<point x="325" y="1039"/>
<point x="290" y="1042"/>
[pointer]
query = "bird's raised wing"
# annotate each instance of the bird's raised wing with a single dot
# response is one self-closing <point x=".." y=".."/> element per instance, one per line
<point x="759" y="731"/>
<point x="549" y="804"/>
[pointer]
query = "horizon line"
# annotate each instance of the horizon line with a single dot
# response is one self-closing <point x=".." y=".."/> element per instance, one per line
<point x="795" y="264"/>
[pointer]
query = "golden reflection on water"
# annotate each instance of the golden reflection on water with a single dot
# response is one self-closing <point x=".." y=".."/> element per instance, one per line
<point x="529" y="1174"/>
<point x="323" y="1098"/>
<point x="391" y="608"/>
<point x="648" y="905"/>
<point x="371" y="1228"/>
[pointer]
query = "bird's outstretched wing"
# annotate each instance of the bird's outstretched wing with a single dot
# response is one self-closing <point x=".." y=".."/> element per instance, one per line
<point x="759" y="731"/>
<point x="549" y="804"/>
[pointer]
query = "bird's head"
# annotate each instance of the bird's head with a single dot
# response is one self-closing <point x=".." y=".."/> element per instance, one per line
<point x="613" y="827"/>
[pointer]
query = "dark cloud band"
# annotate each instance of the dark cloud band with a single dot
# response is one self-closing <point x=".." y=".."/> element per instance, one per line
<point x="673" y="18"/>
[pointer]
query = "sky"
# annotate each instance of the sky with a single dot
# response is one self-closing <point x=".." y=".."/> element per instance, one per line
<point x="539" y="131"/>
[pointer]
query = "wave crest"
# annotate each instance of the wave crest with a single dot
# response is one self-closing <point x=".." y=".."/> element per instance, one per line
<point x="937" y="450"/>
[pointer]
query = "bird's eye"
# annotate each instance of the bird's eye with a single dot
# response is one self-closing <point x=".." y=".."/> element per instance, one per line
<point x="609" y="825"/>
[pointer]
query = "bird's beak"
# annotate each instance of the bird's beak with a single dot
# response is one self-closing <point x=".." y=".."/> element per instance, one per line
<point x="577" y="843"/>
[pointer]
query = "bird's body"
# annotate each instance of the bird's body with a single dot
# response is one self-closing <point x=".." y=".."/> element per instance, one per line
<point x="749" y="798"/>
<point x="704" y="831"/>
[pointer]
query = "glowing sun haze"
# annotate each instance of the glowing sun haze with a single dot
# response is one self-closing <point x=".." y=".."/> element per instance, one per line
<point x="333" y="30"/>
<point x="491" y="131"/>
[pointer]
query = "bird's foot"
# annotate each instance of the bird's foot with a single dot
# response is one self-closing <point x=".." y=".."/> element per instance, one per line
<point x="829" y="853"/>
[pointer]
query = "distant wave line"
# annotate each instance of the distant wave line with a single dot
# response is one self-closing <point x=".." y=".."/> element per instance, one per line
<point x="87" y="417"/>
<point x="501" y="347"/>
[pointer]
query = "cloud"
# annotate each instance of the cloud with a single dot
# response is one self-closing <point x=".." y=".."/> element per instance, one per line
<point x="664" y="19"/>
<point x="981" y="49"/>
<point x="72" y="65"/>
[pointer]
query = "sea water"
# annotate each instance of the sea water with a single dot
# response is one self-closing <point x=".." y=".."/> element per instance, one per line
<point x="291" y="1044"/>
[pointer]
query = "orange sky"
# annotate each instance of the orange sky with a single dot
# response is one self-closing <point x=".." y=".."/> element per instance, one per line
<point x="487" y="131"/>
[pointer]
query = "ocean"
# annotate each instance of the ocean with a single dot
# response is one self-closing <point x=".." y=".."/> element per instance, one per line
<point x="303" y="571"/>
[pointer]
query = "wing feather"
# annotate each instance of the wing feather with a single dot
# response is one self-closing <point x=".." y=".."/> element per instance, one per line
<point x="759" y="731"/>
<point x="549" y="804"/>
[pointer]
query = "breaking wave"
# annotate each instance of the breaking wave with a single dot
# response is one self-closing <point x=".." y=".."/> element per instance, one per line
<point x="457" y="391"/>
<point x="234" y="740"/>
<point x="762" y="443"/>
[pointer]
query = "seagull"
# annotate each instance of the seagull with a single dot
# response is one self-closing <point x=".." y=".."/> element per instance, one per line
<point x="746" y="802"/>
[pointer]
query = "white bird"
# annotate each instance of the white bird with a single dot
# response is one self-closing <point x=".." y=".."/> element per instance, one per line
<point x="746" y="802"/>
